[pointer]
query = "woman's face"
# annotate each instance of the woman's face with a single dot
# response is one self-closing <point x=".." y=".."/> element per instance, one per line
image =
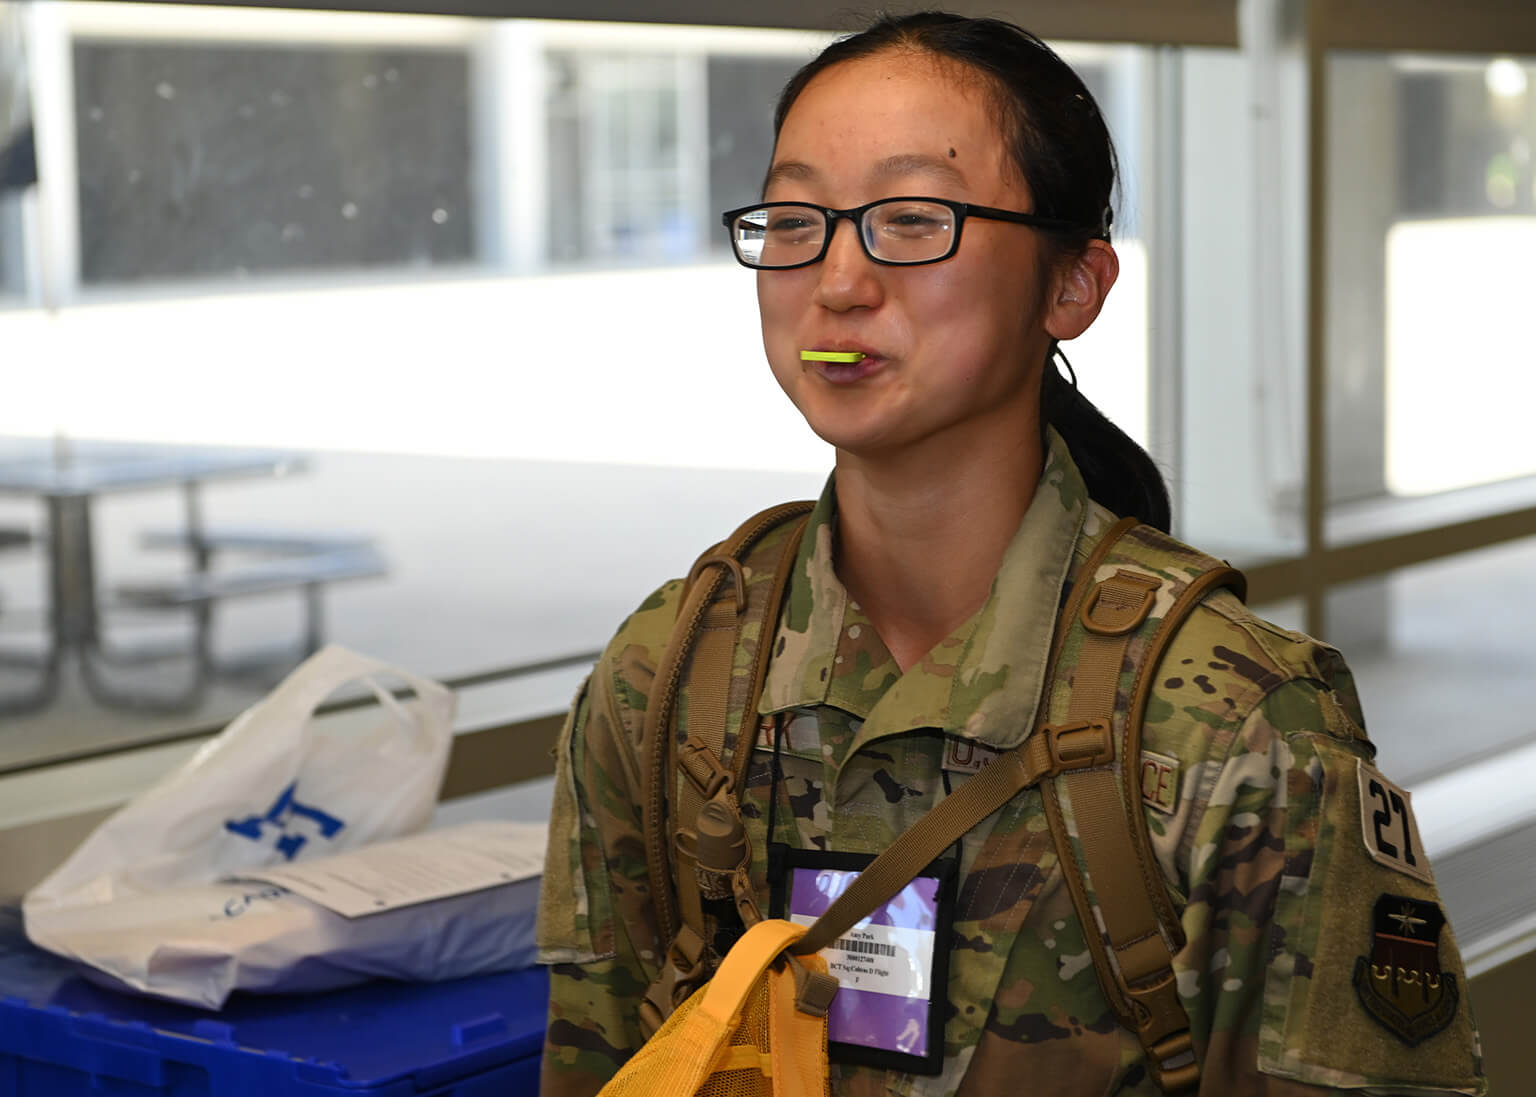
<point x="953" y="349"/>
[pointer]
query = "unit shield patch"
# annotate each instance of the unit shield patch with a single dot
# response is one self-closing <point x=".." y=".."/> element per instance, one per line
<point x="1400" y="983"/>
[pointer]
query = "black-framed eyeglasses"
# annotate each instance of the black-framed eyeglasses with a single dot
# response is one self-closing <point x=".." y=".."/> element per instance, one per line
<point x="898" y="232"/>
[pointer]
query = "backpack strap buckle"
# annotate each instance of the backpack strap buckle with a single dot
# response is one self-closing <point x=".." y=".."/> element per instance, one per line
<point x="1079" y="744"/>
<point x="1164" y="1032"/>
<point x="1173" y="1065"/>
<point x="704" y="769"/>
<point x="684" y="970"/>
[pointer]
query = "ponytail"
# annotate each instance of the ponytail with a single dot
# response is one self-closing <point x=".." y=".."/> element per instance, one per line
<point x="1120" y="474"/>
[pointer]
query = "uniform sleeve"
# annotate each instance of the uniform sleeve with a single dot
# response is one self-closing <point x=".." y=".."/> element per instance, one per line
<point x="1318" y="958"/>
<point x="594" y="877"/>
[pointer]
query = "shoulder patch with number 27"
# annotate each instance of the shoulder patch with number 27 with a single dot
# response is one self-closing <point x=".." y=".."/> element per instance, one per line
<point x="1388" y="827"/>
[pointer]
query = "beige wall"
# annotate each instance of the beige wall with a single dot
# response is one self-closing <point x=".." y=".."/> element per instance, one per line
<point x="1506" y="1015"/>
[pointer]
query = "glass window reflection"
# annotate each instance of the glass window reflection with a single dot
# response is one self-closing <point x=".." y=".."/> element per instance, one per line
<point x="209" y="160"/>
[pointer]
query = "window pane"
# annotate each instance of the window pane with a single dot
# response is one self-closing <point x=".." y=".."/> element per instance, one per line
<point x="18" y="158"/>
<point x="13" y="281"/>
<point x="1442" y="656"/>
<point x="1241" y="345"/>
<point x="1111" y="359"/>
<point x="1432" y="220"/>
<point x="201" y="159"/>
<point x="742" y="92"/>
<point x="627" y="181"/>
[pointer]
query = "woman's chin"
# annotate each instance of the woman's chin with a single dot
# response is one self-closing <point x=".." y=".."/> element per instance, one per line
<point x="865" y="441"/>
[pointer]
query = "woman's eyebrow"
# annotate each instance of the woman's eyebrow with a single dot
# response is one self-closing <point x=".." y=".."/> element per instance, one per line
<point x="794" y="171"/>
<point x="916" y="163"/>
<point x="892" y="167"/>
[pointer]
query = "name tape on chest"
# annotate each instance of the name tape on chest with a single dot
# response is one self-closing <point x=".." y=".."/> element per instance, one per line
<point x="1388" y="826"/>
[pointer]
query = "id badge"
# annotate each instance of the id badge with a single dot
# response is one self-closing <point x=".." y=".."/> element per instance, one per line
<point x="892" y="967"/>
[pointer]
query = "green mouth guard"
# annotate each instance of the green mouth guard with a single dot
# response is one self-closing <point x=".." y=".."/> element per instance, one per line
<point x="831" y="356"/>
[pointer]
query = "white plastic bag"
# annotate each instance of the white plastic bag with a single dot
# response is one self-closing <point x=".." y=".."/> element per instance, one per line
<point x="275" y="786"/>
<point x="197" y="943"/>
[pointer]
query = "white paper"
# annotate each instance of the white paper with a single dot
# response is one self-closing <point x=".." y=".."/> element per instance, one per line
<point x="883" y="959"/>
<point x="418" y="869"/>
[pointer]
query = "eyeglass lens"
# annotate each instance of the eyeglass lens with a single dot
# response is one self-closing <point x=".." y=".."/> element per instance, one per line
<point x="899" y="231"/>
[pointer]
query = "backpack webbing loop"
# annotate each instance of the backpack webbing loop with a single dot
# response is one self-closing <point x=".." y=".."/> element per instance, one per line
<point x="732" y="568"/>
<point x="1120" y="604"/>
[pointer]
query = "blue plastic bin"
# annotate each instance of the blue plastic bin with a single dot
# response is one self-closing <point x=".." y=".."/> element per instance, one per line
<point x="61" y="1036"/>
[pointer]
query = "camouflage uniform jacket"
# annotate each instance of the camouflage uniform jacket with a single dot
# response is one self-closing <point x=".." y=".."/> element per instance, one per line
<point x="1258" y="826"/>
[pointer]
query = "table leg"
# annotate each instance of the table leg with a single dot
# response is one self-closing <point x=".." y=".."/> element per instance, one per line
<point x="68" y="520"/>
<point x="73" y="566"/>
<point x="85" y="629"/>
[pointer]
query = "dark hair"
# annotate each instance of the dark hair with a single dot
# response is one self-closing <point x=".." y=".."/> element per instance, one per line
<point x="1061" y="146"/>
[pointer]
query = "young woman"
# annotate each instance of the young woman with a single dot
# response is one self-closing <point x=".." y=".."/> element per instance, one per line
<point x="935" y="218"/>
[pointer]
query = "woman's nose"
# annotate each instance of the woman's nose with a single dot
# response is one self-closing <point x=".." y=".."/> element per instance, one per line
<point x="848" y="279"/>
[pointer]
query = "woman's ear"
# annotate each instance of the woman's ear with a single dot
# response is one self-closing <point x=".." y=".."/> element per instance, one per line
<point x="1079" y="288"/>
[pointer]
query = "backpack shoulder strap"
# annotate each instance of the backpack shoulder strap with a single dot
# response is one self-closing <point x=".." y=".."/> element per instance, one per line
<point x="714" y="664"/>
<point x="1126" y="605"/>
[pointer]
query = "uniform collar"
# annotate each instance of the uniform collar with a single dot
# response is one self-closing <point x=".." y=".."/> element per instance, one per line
<point x="981" y="682"/>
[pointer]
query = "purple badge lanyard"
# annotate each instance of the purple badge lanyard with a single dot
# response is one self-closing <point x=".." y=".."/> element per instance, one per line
<point x="893" y="967"/>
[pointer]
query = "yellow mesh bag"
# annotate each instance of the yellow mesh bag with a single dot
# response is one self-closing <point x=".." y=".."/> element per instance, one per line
<point x="739" y="1035"/>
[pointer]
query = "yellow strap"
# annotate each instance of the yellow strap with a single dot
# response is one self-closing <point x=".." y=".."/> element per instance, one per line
<point x="797" y="1041"/>
<point x="743" y="1057"/>
<point x="749" y="957"/>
